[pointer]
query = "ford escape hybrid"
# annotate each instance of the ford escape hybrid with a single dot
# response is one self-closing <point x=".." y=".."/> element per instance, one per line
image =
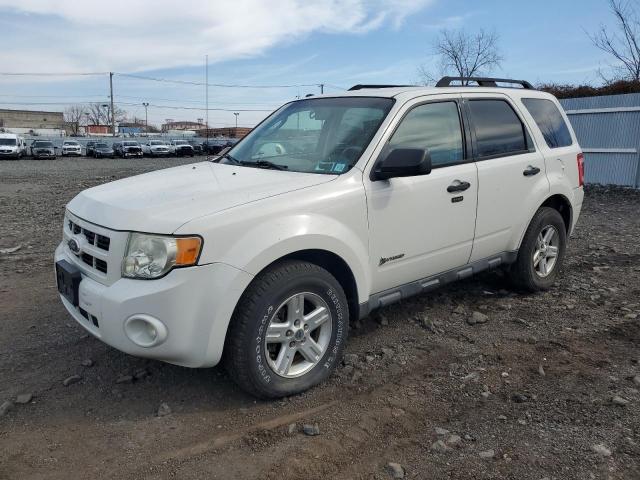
<point x="331" y="207"/>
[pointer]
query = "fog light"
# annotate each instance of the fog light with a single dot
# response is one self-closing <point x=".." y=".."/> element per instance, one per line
<point x="145" y="330"/>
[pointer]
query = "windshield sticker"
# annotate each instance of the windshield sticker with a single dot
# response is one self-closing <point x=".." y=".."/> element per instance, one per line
<point x="339" y="167"/>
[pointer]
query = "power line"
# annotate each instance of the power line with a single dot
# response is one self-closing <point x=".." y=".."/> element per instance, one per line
<point x="224" y="85"/>
<point x="51" y="74"/>
<point x="199" y="108"/>
<point x="131" y="104"/>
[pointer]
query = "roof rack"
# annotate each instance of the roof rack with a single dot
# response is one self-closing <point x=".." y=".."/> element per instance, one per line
<point x="363" y="87"/>
<point x="483" y="82"/>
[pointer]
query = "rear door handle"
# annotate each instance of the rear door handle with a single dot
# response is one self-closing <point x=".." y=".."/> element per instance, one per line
<point x="458" y="186"/>
<point x="530" y="171"/>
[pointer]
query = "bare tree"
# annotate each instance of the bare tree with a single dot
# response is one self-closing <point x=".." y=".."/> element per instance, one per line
<point x="623" y="44"/>
<point x="464" y="54"/>
<point x="100" y="113"/>
<point x="73" y="116"/>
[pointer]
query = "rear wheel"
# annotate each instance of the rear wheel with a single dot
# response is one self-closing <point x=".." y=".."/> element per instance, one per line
<point x="288" y="331"/>
<point x="541" y="252"/>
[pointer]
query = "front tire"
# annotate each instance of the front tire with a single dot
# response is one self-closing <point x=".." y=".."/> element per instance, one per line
<point x="288" y="331"/>
<point x="541" y="252"/>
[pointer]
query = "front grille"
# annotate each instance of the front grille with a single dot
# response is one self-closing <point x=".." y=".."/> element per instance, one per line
<point x="93" y="238"/>
<point x="88" y="316"/>
<point x="94" y="262"/>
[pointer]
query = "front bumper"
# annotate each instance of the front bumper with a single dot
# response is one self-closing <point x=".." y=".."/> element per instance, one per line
<point x="9" y="154"/>
<point x="71" y="152"/>
<point x="194" y="304"/>
<point x="133" y="154"/>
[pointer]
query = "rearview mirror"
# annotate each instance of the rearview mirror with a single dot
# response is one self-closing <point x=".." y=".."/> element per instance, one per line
<point x="403" y="162"/>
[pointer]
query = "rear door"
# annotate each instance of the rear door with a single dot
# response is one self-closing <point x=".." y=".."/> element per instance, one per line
<point x="511" y="173"/>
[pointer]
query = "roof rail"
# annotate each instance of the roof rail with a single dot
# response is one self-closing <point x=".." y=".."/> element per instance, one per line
<point x="483" y="82"/>
<point x="363" y="87"/>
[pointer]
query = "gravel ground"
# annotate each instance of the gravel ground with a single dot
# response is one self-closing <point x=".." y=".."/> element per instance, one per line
<point x="547" y="387"/>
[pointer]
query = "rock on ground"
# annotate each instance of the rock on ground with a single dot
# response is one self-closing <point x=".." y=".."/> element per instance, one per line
<point x="601" y="450"/>
<point x="311" y="430"/>
<point x="71" y="380"/>
<point x="395" y="470"/>
<point x="164" y="410"/>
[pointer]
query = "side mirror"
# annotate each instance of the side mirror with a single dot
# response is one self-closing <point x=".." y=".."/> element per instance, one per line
<point x="403" y="162"/>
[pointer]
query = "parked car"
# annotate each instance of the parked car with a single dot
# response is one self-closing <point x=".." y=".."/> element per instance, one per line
<point x="12" y="146"/>
<point x="180" y="148"/>
<point x="127" y="148"/>
<point x="43" y="149"/>
<point x="102" y="150"/>
<point x="215" y="146"/>
<point x="71" y="147"/>
<point x="90" y="149"/>
<point x="197" y="147"/>
<point x="155" y="148"/>
<point x="266" y="258"/>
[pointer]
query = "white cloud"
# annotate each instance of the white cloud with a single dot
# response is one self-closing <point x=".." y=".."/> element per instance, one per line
<point x="137" y="35"/>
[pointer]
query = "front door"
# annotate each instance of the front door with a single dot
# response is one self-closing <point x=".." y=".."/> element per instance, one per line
<point x="424" y="225"/>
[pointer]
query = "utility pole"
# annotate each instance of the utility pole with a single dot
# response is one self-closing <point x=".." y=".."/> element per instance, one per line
<point x="146" y="117"/>
<point x="236" y="114"/>
<point x="206" y="89"/>
<point x="321" y="88"/>
<point x="113" y="113"/>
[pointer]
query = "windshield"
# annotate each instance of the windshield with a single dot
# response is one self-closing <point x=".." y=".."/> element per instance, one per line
<point x="102" y="145"/>
<point x="43" y="144"/>
<point x="130" y="144"/>
<point x="323" y="135"/>
<point x="7" y="141"/>
<point x="181" y="142"/>
<point x="156" y="143"/>
<point x="71" y="144"/>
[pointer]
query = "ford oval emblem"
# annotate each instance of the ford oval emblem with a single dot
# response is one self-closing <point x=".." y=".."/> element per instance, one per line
<point x="74" y="246"/>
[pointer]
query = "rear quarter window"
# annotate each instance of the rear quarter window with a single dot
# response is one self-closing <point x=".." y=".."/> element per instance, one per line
<point x="549" y="121"/>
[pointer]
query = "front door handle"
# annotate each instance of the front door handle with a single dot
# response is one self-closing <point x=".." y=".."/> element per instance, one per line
<point x="458" y="186"/>
<point x="530" y="171"/>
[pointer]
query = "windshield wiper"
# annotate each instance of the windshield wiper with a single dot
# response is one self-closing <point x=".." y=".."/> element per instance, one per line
<point x="235" y="161"/>
<point x="256" y="164"/>
<point x="266" y="164"/>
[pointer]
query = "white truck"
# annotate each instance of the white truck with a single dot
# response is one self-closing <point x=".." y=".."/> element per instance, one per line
<point x="12" y="146"/>
<point x="330" y="208"/>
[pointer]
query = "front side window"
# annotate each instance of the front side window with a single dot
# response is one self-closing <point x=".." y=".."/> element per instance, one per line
<point x="324" y="135"/>
<point x="549" y="121"/>
<point x="499" y="131"/>
<point x="435" y="127"/>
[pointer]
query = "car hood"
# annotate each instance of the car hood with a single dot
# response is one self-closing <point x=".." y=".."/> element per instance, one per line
<point x="162" y="201"/>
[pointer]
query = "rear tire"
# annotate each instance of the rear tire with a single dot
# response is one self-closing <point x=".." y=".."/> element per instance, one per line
<point x="541" y="252"/>
<point x="288" y="331"/>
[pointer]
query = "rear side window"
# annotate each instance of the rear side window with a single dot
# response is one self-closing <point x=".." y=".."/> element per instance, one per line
<point x="499" y="131"/>
<point x="549" y="121"/>
<point x="436" y="127"/>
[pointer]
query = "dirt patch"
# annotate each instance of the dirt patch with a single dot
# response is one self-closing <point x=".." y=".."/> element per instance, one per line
<point x="526" y="395"/>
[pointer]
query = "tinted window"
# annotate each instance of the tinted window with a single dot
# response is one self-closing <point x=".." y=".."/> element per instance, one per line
<point x="549" y="121"/>
<point x="499" y="131"/>
<point x="436" y="127"/>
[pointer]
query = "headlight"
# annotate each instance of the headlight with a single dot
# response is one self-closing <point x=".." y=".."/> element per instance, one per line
<point x="152" y="256"/>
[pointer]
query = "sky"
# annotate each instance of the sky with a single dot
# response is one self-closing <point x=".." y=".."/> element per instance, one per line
<point x="290" y="46"/>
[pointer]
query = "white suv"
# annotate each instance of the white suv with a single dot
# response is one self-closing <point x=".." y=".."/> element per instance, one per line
<point x="330" y="208"/>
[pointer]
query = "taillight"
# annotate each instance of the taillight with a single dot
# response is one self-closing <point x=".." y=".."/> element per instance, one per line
<point x="580" y="169"/>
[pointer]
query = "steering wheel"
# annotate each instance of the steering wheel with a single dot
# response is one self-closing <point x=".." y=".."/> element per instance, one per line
<point x="278" y="149"/>
<point x="351" y="153"/>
